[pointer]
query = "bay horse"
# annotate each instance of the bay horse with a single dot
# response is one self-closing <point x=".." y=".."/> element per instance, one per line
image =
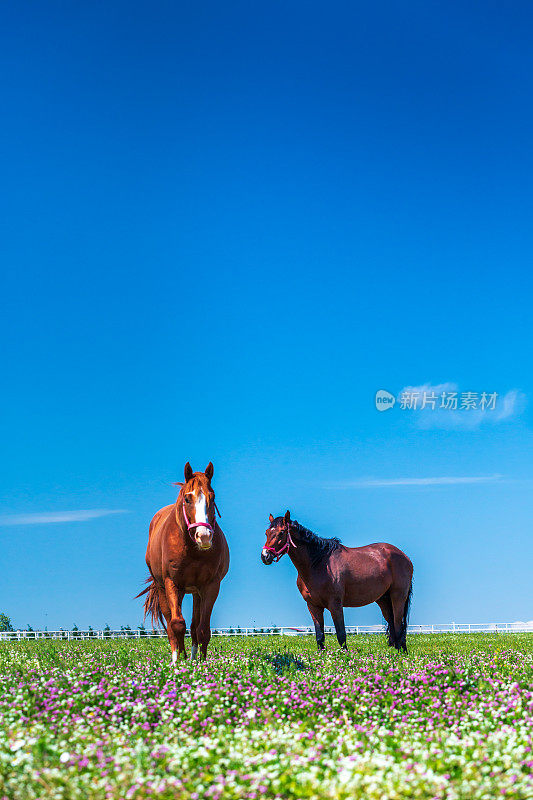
<point x="333" y="576"/>
<point x="187" y="553"/>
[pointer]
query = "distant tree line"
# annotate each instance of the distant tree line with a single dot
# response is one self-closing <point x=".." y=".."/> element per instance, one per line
<point x="6" y="625"/>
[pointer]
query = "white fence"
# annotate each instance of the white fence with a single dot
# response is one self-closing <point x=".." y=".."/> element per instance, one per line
<point x="296" y="630"/>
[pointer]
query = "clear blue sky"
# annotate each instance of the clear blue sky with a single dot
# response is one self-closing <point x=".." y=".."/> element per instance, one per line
<point x="224" y="228"/>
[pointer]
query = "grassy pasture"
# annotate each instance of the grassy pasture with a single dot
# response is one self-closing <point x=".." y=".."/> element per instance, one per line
<point x="268" y="717"/>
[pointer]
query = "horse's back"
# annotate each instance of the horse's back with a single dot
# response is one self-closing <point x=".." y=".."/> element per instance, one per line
<point x="363" y="574"/>
<point x="155" y="536"/>
<point x="396" y="557"/>
<point x="380" y="550"/>
<point x="378" y="555"/>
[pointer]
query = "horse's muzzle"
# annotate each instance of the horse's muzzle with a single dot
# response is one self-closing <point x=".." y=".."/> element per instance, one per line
<point x="204" y="540"/>
<point x="266" y="557"/>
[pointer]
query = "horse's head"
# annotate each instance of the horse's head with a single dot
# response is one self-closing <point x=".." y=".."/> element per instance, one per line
<point x="196" y="505"/>
<point x="279" y="539"/>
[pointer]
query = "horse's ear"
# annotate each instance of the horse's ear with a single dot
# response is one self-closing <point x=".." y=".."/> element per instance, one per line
<point x="270" y="518"/>
<point x="287" y="516"/>
<point x="209" y="471"/>
<point x="188" y="472"/>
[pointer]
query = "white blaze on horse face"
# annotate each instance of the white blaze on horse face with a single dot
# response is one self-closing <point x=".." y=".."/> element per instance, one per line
<point x="203" y="535"/>
<point x="200" y="508"/>
<point x="174" y="656"/>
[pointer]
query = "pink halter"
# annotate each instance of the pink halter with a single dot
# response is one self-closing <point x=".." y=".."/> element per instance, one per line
<point x="285" y="549"/>
<point x="192" y="525"/>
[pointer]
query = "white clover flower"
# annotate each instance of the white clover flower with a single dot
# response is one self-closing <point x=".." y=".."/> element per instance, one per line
<point x="64" y="757"/>
<point x="17" y="744"/>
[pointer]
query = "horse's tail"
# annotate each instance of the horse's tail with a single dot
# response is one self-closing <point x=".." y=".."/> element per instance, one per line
<point x="152" y="605"/>
<point x="405" y="617"/>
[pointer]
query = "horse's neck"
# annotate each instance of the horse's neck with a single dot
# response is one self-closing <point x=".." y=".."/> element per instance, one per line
<point x="299" y="555"/>
<point x="178" y="516"/>
<point x="181" y="526"/>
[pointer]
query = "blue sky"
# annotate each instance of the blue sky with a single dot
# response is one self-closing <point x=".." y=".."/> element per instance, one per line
<point x="225" y="227"/>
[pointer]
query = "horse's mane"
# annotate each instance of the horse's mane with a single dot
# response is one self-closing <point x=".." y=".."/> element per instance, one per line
<point x="319" y="547"/>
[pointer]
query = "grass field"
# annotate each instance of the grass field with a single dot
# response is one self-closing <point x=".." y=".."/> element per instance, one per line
<point x="268" y="718"/>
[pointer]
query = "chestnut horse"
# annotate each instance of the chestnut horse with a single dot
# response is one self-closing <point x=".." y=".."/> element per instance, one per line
<point x="187" y="553"/>
<point x="333" y="576"/>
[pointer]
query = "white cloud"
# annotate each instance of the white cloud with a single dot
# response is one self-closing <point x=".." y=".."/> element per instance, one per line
<point x="370" y="483"/>
<point x="49" y="517"/>
<point x="508" y="405"/>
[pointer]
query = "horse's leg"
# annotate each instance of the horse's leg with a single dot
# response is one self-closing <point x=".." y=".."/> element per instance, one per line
<point x="318" y="618"/>
<point x="337" y="615"/>
<point x="203" y="629"/>
<point x="177" y="623"/>
<point x="165" y="609"/>
<point x="194" y="625"/>
<point x="385" y="605"/>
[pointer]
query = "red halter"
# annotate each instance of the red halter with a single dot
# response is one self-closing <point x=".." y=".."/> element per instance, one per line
<point x="285" y="549"/>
